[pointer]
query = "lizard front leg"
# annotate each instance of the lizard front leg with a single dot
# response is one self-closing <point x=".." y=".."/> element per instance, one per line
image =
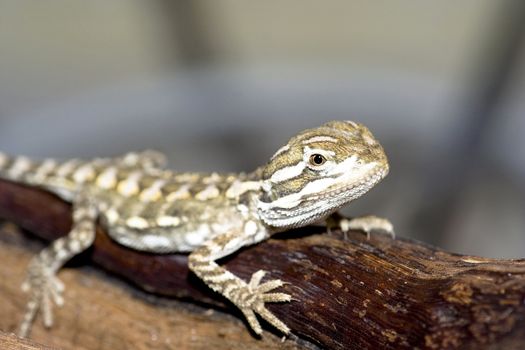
<point x="249" y="297"/>
<point x="42" y="284"/>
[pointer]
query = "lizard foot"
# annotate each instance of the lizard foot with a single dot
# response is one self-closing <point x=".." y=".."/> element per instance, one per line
<point x="367" y="224"/>
<point x="251" y="299"/>
<point x="44" y="288"/>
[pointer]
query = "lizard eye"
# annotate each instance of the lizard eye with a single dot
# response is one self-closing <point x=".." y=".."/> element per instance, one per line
<point x="317" y="159"/>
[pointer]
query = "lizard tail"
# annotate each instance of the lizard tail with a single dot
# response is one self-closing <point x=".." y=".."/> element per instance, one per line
<point x="16" y="168"/>
<point x="27" y="171"/>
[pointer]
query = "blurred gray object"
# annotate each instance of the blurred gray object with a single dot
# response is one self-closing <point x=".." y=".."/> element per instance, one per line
<point x="221" y="87"/>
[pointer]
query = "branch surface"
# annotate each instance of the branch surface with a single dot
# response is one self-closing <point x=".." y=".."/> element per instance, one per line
<point x="349" y="293"/>
<point x="12" y="342"/>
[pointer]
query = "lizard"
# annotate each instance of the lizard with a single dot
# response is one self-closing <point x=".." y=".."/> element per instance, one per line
<point x="147" y="207"/>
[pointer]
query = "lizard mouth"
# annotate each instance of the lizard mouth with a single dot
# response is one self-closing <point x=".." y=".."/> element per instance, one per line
<point x="314" y="208"/>
<point x="328" y="202"/>
<point x="351" y="191"/>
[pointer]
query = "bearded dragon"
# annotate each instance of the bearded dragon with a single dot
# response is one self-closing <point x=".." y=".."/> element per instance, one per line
<point x="146" y="207"/>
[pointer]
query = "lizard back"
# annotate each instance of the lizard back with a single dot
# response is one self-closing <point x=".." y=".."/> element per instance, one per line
<point x="142" y="207"/>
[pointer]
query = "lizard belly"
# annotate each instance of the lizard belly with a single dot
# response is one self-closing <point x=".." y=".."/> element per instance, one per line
<point x="160" y="240"/>
<point x="179" y="228"/>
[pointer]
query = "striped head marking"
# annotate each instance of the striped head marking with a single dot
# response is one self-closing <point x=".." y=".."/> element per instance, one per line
<point x="318" y="171"/>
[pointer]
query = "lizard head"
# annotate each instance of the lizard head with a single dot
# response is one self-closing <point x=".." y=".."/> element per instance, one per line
<point x="318" y="171"/>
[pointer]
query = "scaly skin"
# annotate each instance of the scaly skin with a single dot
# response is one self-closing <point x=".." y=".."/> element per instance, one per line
<point x="146" y="207"/>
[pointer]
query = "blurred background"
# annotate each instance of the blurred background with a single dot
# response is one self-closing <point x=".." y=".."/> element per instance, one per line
<point x="220" y="85"/>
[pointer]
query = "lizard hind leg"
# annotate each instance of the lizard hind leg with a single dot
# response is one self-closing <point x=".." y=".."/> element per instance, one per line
<point x="147" y="160"/>
<point x="41" y="282"/>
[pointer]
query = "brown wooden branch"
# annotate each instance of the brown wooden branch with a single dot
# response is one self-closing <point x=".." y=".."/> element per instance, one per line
<point x="353" y="293"/>
<point x="12" y="342"/>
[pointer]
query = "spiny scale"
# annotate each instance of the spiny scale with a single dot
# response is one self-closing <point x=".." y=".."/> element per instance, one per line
<point x="148" y="208"/>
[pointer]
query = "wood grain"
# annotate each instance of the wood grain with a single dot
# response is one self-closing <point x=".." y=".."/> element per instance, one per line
<point x="350" y="294"/>
<point x="12" y="342"/>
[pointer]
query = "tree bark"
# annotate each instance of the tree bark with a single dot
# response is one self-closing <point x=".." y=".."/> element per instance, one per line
<point x="349" y="293"/>
<point x="11" y="342"/>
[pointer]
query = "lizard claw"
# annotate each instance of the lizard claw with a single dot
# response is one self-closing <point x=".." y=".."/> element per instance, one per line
<point x="251" y="299"/>
<point x="367" y="224"/>
<point x="45" y="289"/>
